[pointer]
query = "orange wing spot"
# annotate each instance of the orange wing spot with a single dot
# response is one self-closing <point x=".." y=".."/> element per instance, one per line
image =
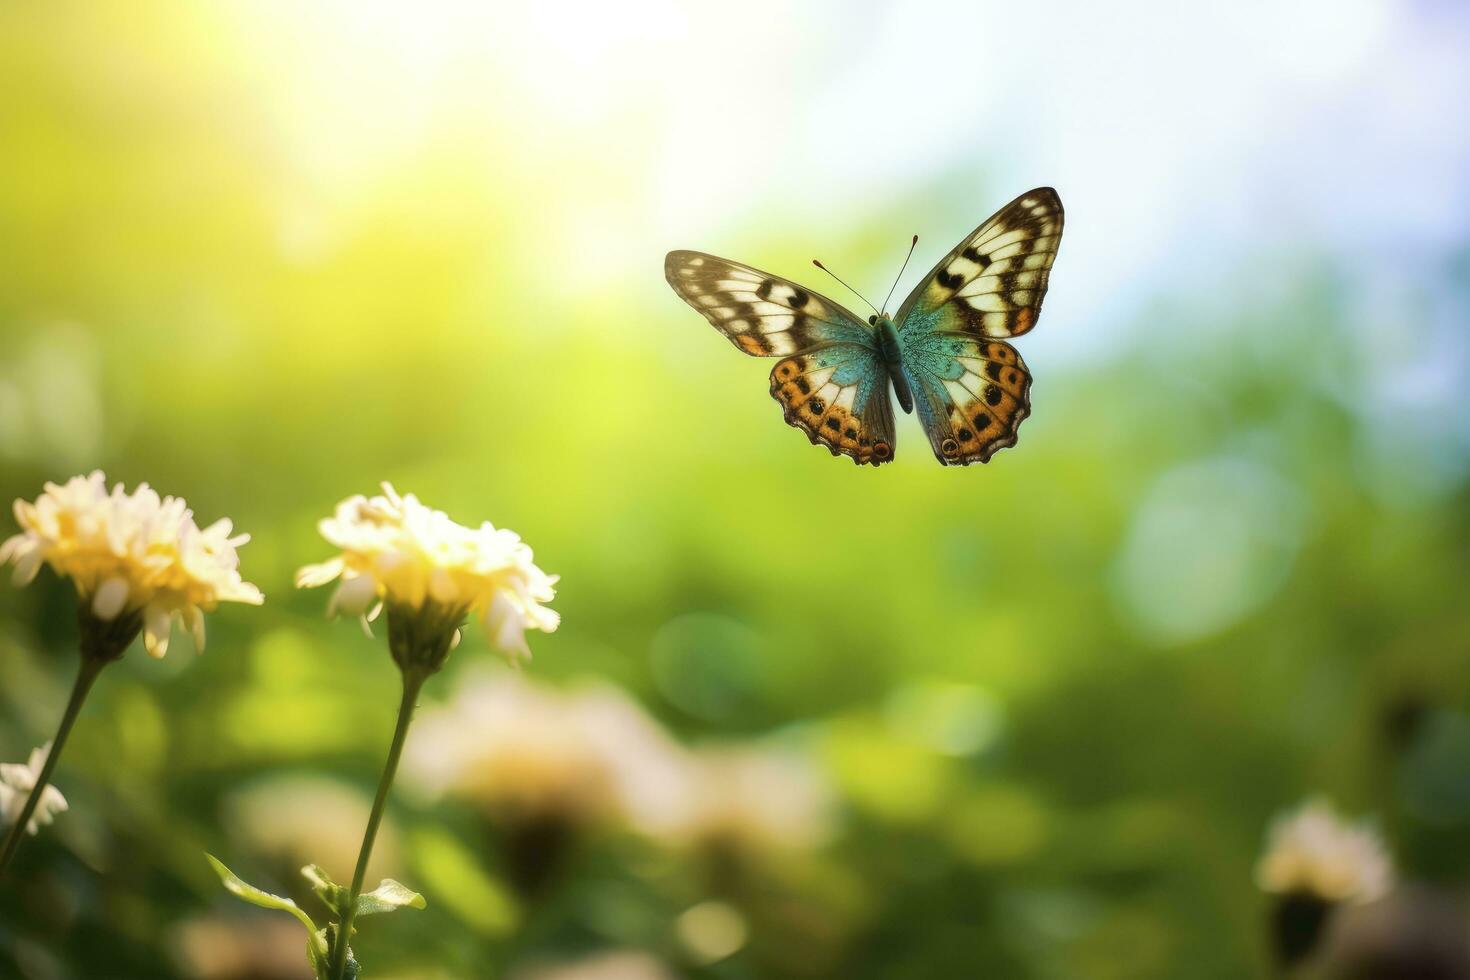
<point x="1012" y="380"/>
<point x="750" y="343"/>
<point x="1025" y="317"/>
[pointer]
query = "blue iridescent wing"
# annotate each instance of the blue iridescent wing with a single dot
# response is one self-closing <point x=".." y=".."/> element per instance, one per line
<point x="831" y="383"/>
<point x="970" y="387"/>
<point x="971" y="395"/>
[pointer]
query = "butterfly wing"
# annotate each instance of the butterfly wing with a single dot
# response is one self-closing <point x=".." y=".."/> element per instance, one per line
<point x="972" y="389"/>
<point x="838" y="396"/>
<point x="992" y="283"/>
<point x="761" y="314"/>
<point x="971" y="395"/>
<point x="831" y="382"/>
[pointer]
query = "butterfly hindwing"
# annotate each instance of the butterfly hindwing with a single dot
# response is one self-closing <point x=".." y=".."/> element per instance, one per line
<point x="971" y="394"/>
<point x="761" y="314"/>
<point x="838" y="396"/>
<point x="992" y="283"/>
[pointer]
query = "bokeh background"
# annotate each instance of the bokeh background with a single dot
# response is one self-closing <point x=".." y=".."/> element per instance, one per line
<point x="1023" y="720"/>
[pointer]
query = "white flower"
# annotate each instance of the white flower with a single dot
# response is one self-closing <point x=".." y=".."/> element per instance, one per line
<point x="1313" y="850"/>
<point x="296" y="818"/>
<point x="756" y="798"/>
<point x="130" y="553"/>
<point x="397" y="551"/>
<point x="16" y="783"/>
<point x="588" y="756"/>
<point x="613" y="965"/>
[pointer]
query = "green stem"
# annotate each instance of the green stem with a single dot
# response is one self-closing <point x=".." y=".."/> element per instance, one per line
<point x="90" y="668"/>
<point x="412" y="682"/>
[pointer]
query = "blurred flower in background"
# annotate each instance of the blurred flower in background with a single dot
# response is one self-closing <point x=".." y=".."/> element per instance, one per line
<point x="253" y="947"/>
<point x="563" y="775"/>
<point x="295" y="819"/>
<point x="523" y="749"/>
<point x="751" y="800"/>
<point x="613" y="965"/>
<point x="546" y="766"/>
<point x="1314" y="851"/>
<point x="1313" y="863"/>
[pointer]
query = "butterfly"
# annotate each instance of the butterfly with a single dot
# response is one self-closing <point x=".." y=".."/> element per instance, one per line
<point x="943" y="353"/>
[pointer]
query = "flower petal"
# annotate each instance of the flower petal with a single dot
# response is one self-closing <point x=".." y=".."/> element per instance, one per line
<point x="110" y="599"/>
<point x="353" y="596"/>
<point x="310" y="576"/>
<point x="157" y="626"/>
<point x="194" y="620"/>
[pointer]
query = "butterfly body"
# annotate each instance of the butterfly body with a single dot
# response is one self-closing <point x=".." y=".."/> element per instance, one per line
<point x="891" y="348"/>
<point x="944" y="352"/>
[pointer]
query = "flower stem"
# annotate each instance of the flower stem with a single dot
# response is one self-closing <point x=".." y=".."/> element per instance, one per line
<point x="91" y="667"/>
<point x="412" y="682"/>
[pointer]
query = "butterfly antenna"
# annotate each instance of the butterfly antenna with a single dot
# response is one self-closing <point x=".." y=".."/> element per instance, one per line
<point x="905" y="265"/>
<point x="834" y="275"/>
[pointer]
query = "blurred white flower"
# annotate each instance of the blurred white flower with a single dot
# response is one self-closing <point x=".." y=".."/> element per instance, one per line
<point x="1314" y="851"/>
<point x="130" y="554"/>
<point x="297" y="818"/>
<point x="397" y="551"/>
<point x="16" y="783"/>
<point x="614" y="965"/>
<point x="753" y="798"/>
<point x="220" y="947"/>
<point x="587" y="756"/>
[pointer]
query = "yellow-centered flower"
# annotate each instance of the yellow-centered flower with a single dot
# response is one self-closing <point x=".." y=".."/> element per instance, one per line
<point x="416" y="561"/>
<point x="1313" y="851"/>
<point x="130" y="553"/>
<point x="584" y="756"/>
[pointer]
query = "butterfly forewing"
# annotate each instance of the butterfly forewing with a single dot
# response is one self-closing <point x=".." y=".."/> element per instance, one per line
<point x="992" y="283"/>
<point x="762" y="314"/>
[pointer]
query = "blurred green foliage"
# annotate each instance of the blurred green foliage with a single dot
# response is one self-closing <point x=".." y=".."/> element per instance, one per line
<point x="1057" y="697"/>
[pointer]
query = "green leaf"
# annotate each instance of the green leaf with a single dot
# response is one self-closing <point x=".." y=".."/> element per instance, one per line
<point x="389" y="895"/>
<point x="333" y="895"/>
<point x="240" y="888"/>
